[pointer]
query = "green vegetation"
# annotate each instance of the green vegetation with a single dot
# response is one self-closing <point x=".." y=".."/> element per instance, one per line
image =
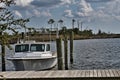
<point x="44" y="35"/>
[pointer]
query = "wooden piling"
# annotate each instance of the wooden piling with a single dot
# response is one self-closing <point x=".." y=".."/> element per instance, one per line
<point x="66" y="51"/>
<point x="71" y="46"/>
<point x="3" y="57"/>
<point x="22" y="35"/>
<point x="59" y="53"/>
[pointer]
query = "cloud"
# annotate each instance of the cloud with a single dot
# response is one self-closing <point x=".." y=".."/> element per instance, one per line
<point x="36" y="12"/>
<point x="42" y="3"/>
<point x="18" y="14"/>
<point x="51" y="3"/>
<point x="23" y="3"/>
<point x="68" y="14"/>
<point x="28" y="13"/>
<point x="45" y="3"/>
<point x="29" y="8"/>
<point x="113" y="7"/>
<point x="40" y="7"/>
<point x="84" y="8"/>
<point x="76" y="9"/>
<point x="2" y="5"/>
<point x="68" y="1"/>
<point x="98" y="0"/>
<point x="107" y="12"/>
<point x="46" y="14"/>
<point x="112" y="10"/>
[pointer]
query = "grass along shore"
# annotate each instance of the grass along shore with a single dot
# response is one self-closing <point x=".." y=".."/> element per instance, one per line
<point x="76" y="37"/>
<point x="45" y="37"/>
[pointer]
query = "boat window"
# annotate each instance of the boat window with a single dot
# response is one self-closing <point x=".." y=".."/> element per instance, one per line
<point x="22" y="48"/>
<point x="37" y="47"/>
<point x="48" y="47"/>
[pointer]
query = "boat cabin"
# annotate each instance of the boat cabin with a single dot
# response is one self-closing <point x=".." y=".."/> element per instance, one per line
<point x="30" y="49"/>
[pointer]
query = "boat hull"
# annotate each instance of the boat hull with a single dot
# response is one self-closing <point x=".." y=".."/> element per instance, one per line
<point x="22" y="64"/>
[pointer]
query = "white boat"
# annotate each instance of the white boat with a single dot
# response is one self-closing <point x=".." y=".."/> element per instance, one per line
<point x="33" y="55"/>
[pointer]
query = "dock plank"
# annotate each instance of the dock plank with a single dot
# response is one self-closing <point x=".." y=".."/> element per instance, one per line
<point x="103" y="73"/>
<point x="111" y="73"/>
<point x="107" y="73"/>
<point x="66" y="73"/>
<point x="79" y="73"/>
<point x="118" y="71"/>
<point x="35" y="74"/>
<point x="62" y="74"/>
<point x="115" y="73"/>
<point x="59" y="74"/>
<point x="99" y="73"/>
<point x="26" y="74"/>
<point x="83" y="73"/>
<point x="87" y="73"/>
<point x="91" y="73"/>
<point x="21" y="74"/>
<point x="10" y="74"/>
<point x="95" y="73"/>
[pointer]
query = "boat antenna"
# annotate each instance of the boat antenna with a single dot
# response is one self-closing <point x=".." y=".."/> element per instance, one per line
<point x="42" y="30"/>
<point x="50" y="37"/>
<point x="57" y="32"/>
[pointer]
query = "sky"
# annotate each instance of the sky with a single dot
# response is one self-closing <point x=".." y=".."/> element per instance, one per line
<point x="94" y="14"/>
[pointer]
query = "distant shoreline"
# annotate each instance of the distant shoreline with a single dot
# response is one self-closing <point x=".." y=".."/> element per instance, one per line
<point x="41" y="38"/>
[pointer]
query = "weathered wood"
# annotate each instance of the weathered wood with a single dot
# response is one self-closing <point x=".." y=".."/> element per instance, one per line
<point x="87" y="73"/>
<point x="3" y="57"/>
<point x="107" y="73"/>
<point x="103" y="73"/>
<point x="83" y="73"/>
<point x="99" y="73"/>
<point x="62" y="75"/>
<point x="111" y="73"/>
<point x="118" y="71"/>
<point x="66" y="51"/>
<point x="95" y="73"/>
<point x="59" y="53"/>
<point x="91" y="73"/>
<point x="115" y="73"/>
<point x="71" y="46"/>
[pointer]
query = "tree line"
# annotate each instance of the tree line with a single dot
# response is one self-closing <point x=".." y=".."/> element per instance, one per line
<point x="61" y="28"/>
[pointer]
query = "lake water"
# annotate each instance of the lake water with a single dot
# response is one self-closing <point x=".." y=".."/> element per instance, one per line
<point x="90" y="54"/>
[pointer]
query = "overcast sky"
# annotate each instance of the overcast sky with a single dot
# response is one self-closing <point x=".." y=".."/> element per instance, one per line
<point x="95" y="14"/>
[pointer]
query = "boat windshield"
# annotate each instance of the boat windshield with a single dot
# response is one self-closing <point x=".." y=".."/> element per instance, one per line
<point x="22" y="48"/>
<point x="37" y="47"/>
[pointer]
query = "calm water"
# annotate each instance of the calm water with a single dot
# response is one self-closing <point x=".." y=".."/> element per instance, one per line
<point x="97" y="54"/>
<point x="90" y="54"/>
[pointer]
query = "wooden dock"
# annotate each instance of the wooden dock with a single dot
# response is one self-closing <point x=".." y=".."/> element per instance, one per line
<point x="62" y="75"/>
